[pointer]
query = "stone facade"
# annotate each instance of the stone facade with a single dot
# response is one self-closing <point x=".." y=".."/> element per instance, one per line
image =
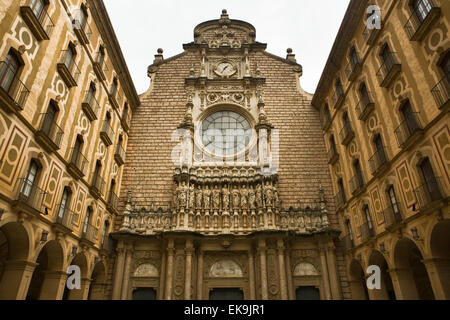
<point x="48" y="182"/>
<point x="386" y="126"/>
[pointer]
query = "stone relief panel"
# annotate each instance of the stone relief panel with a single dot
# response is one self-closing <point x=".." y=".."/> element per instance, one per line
<point x="146" y="270"/>
<point x="305" y="269"/>
<point x="226" y="269"/>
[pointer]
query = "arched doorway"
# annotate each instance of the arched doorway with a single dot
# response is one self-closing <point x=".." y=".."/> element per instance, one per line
<point x="439" y="264"/>
<point x="387" y="289"/>
<point x="358" y="281"/>
<point x="96" y="289"/>
<point x="412" y="276"/>
<point x="14" y="267"/>
<point x="49" y="278"/>
<point x="78" y="294"/>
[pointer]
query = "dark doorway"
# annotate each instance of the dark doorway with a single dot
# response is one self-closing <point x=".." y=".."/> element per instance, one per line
<point x="144" y="294"/>
<point x="226" y="294"/>
<point x="307" y="293"/>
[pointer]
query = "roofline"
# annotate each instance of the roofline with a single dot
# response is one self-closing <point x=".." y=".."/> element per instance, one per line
<point x="104" y="25"/>
<point x="351" y="20"/>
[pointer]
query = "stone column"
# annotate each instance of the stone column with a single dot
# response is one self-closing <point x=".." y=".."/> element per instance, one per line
<point x="162" y="276"/>
<point x="188" y="276"/>
<point x="325" y="277"/>
<point x="200" y="274"/>
<point x="289" y="274"/>
<point x="118" y="274"/>
<point x="283" y="285"/>
<point x="439" y="273"/>
<point x="126" y="273"/>
<point x="333" y="272"/>
<point x="16" y="280"/>
<point x="169" y="269"/>
<point x="251" y="273"/>
<point x="404" y="284"/>
<point x="263" y="261"/>
<point x="53" y="285"/>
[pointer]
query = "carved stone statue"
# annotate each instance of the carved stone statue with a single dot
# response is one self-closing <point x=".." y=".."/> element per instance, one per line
<point x="244" y="197"/>
<point x="276" y="198"/>
<point x="181" y="195"/>
<point x="216" y="198"/>
<point x="191" y="197"/>
<point x="207" y="198"/>
<point x="198" y="198"/>
<point x="236" y="198"/>
<point x="268" y="192"/>
<point x="252" y="197"/>
<point x="259" y="196"/>
<point x="225" y="198"/>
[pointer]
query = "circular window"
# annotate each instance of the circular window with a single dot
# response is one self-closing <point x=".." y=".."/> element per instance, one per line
<point x="225" y="133"/>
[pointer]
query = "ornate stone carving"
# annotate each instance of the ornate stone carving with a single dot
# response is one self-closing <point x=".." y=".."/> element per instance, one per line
<point x="226" y="269"/>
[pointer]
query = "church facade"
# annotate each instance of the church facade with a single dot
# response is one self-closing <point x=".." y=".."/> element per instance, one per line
<point x="225" y="179"/>
<point x="225" y="186"/>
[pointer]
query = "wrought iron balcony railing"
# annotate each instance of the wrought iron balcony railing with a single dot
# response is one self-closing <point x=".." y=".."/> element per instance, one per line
<point x="429" y="192"/>
<point x="333" y="155"/>
<point x="356" y="184"/>
<point x="408" y="129"/>
<point x="325" y="120"/>
<point x="30" y="197"/>
<point x="82" y="30"/>
<point x="98" y="186"/>
<point x="90" y="106"/>
<point x="120" y="154"/>
<point x="68" y="69"/>
<point x="113" y="201"/>
<point x="365" y="106"/>
<point x="388" y="70"/>
<point x="89" y="233"/>
<point x="378" y="160"/>
<point x="338" y="97"/>
<point x="78" y="164"/>
<point x="421" y="19"/>
<point x="100" y="66"/>
<point x="13" y="92"/>
<point x="441" y="92"/>
<point x="367" y="232"/>
<point x="347" y="134"/>
<point x="50" y="135"/>
<point x="340" y="199"/>
<point x="65" y="217"/>
<point x="115" y="98"/>
<point x="39" y="21"/>
<point x="107" y="133"/>
<point x="353" y="68"/>
<point x="392" y="217"/>
<point x="348" y="242"/>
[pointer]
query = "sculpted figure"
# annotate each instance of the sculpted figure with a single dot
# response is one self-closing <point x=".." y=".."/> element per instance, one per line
<point x="244" y="197"/>
<point x="225" y="198"/>
<point x="198" y="198"/>
<point x="268" y="195"/>
<point x="252" y="197"/>
<point x="182" y="193"/>
<point x="259" y="196"/>
<point x="207" y="197"/>
<point x="191" y="196"/>
<point x="216" y="197"/>
<point x="276" y="198"/>
<point x="236" y="198"/>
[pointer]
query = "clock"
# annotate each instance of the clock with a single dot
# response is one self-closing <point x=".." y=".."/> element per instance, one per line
<point x="225" y="69"/>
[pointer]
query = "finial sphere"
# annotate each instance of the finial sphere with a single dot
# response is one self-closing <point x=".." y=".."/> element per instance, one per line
<point x="160" y="51"/>
<point x="224" y="11"/>
<point x="289" y="50"/>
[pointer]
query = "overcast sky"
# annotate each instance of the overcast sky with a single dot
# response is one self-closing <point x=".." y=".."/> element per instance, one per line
<point x="309" y="27"/>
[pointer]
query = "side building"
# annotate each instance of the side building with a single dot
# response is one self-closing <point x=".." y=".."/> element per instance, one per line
<point x="66" y="101"/>
<point x="384" y="101"/>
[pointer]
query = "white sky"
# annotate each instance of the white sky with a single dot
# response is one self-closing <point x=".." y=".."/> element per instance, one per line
<point x="309" y="27"/>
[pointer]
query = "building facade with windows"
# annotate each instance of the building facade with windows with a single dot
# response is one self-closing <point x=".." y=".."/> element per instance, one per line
<point x="384" y="103"/>
<point x="231" y="186"/>
<point x="66" y="101"/>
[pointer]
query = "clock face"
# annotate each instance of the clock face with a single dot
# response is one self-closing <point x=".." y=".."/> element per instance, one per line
<point x="225" y="69"/>
<point x="225" y="133"/>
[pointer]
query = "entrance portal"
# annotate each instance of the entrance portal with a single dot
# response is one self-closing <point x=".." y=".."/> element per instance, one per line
<point x="226" y="294"/>
<point x="144" y="294"/>
<point x="307" y="293"/>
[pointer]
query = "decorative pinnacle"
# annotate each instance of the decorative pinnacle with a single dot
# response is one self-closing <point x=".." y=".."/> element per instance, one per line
<point x="160" y="51"/>
<point x="289" y="50"/>
<point x="224" y="16"/>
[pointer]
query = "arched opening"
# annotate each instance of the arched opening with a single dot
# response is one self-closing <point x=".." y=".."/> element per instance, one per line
<point x="387" y="289"/>
<point x="96" y="290"/>
<point x="14" y="267"/>
<point x="412" y="276"/>
<point x="78" y="294"/>
<point x="358" y="281"/>
<point x="440" y="262"/>
<point x="49" y="278"/>
<point x="10" y="71"/>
